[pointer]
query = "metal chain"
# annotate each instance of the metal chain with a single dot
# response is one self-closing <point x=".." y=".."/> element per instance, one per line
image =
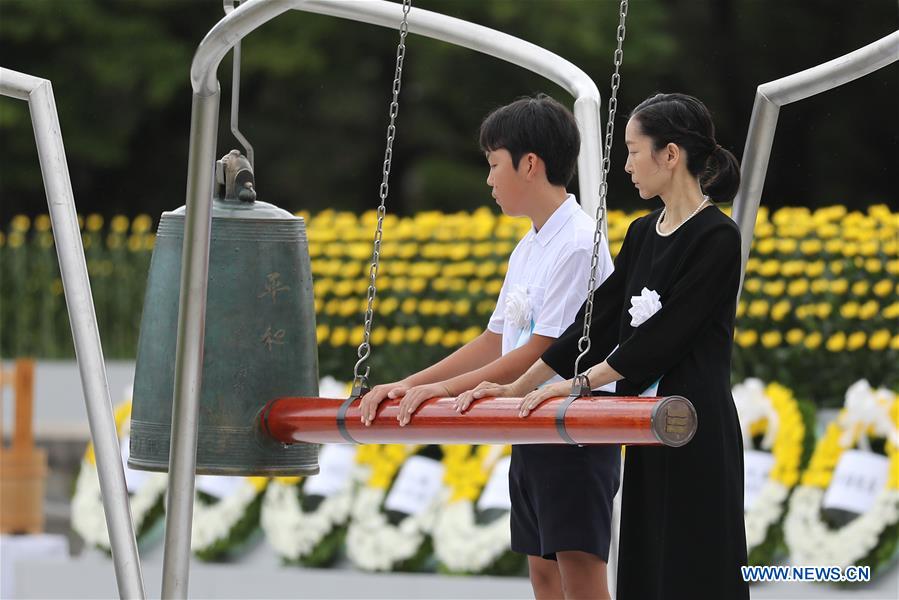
<point x="583" y="344"/>
<point x="360" y="380"/>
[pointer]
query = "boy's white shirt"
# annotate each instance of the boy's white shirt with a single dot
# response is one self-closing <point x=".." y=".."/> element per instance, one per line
<point x="548" y="277"/>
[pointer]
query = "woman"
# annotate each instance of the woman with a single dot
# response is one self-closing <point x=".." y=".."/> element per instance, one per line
<point x="663" y="325"/>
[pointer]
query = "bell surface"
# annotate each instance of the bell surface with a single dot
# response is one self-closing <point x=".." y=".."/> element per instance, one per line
<point x="259" y="342"/>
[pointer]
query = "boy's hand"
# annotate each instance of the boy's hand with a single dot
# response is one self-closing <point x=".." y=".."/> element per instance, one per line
<point x="538" y="396"/>
<point x="371" y="400"/>
<point x="464" y="400"/>
<point x="415" y="396"/>
<point x="487" y="389"/>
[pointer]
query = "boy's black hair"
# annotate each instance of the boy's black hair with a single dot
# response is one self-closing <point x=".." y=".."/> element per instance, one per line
<point x="540" y="125"/>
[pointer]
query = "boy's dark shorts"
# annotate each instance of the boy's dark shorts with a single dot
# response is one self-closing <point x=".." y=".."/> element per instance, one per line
<point x="562" y="498"/>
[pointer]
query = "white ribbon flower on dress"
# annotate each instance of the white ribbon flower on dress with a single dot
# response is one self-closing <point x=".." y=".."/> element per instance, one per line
<point x="518" y="307"/>
<point x="644" y="306"/>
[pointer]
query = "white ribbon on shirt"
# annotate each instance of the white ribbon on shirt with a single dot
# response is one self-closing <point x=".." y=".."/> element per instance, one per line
<point x="518" y="310"/>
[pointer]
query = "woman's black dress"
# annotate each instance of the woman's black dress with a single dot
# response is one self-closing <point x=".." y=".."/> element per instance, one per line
<point x="682" y="528"/>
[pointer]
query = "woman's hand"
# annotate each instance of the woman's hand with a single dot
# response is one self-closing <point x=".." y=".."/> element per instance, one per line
<point x="538" y="396"/>
<point x="487" y="389"/>
<point x="414" y="396"/>
<point x="371" y="400"/>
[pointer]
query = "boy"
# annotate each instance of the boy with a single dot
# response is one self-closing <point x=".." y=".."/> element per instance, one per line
<point x="531" y="147"/>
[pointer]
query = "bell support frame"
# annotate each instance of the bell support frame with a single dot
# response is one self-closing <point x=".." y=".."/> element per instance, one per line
<point x="195" y="258"/>
<point x="85" y="332"/>
<point x="769" y="97"/>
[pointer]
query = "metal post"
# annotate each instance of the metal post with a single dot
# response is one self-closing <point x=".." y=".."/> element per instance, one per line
<point x="86" y="335"/>
<point x="756" y="153"/>
<point x="771" y="96"/>
<point x="189" y="346"/>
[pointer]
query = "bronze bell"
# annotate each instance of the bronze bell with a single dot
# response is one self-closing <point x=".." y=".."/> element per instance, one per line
<point x="259" y="341"/>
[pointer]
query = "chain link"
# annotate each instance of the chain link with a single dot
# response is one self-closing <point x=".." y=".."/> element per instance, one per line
<point x="360" y="380"/>
<point x="583" y="344"/>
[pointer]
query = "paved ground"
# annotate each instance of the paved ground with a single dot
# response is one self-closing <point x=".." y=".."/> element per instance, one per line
<point x="258" y="574"/>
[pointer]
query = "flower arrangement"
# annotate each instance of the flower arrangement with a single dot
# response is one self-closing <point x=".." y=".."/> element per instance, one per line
<point x="394" y="512"/>
<point x="305" y="518"/>
<point x="778" y="435"/>
<point x="146" y="492"/>
<point x="472" y="532"/>
<point x="844" y="513"/>
<point x="225" y="515"/>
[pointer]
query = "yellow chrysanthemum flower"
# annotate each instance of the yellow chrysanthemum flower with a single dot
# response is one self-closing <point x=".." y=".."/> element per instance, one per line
<point x="815" y="269"/>
<point x="798" y="287"/>
<point x="856" y="340"/>
<point x="42" y="223"/>
<point x="836" y="266"/>
<point x="819" y="286"/>
<point x="833" y="246"/>
<point x="414" y="334"/>
<point x="868" y="310"/>
<point x="141" y="223"/>
<point x="433" y="336"/>
<point x="339" y="336"/>
<point x="836" y="342"/>
<point x="879" y="340"/>
<point x="769" y="268"/>
<point x="758" y="308"/>
<point x="839" y="286"/>
<point x="891" y="311"/>
<point x="849" y="310"/>
<point x="765" y="246"/>
<point x="813" y="340"/>
<point x="378" y="335"/>
<point x="753" y="285"/>
<point x="795" y="336"/>
<point x="20" y="223"/>
<point x="396" y="336"/>
<point x="774" y="289"/>
<point x="451" y="339"/>
<point x="882" y="288"/>
<point x="811" y="247"/>
<point x="780" y="310"/>
<point x="119" y="224"/>
<point x="747" y="338"/>
<point x="771" y="339"/>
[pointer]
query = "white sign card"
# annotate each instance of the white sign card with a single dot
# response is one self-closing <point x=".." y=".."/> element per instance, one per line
<point x="336" y="467"/>
<point x="416" y="486"/>
<point x="133" y="478"/>
<point x="859" y="477"/>
<point x="218" y="486"/>
<point x="496" y="492"/>
<point x="756" y="469"/>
